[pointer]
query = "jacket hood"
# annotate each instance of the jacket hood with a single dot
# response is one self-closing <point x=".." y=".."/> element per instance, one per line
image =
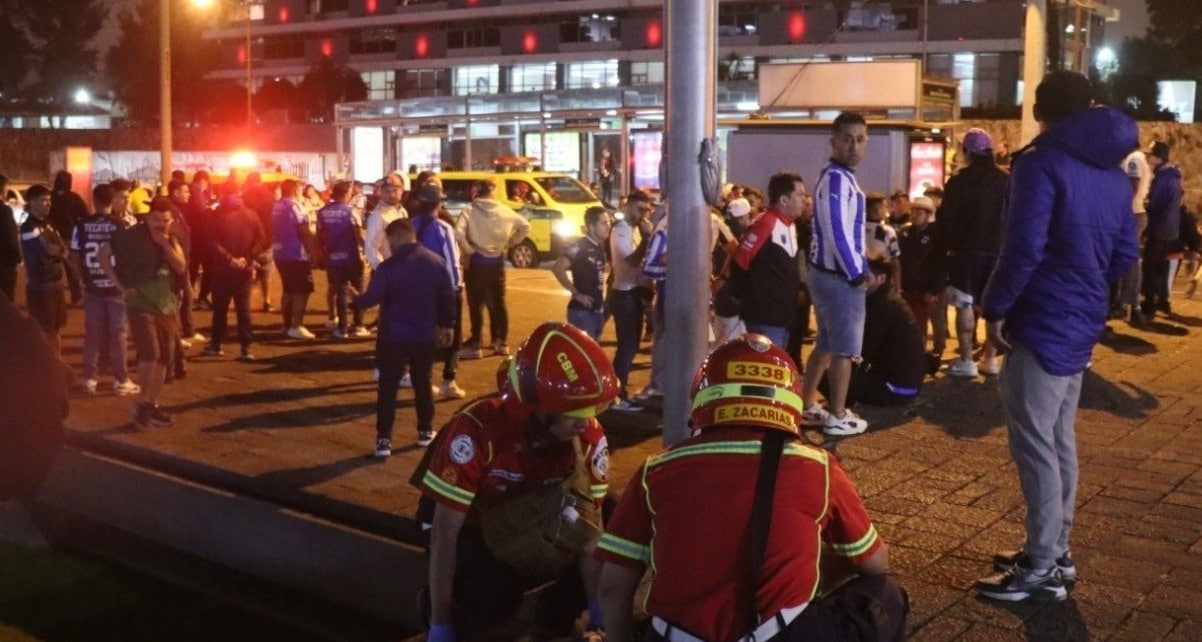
<point x="1172" y="170"/>
<point x="490" y="208"/>
<point x="1101" y="136"/>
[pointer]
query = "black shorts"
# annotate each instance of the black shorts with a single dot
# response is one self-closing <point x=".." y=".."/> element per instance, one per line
<point x="339" y="275"/>
<point x="154" y="336"/>
<point x="297" y="276"/>
<point x="48" y="307"/>
<point x="969" y="273"/>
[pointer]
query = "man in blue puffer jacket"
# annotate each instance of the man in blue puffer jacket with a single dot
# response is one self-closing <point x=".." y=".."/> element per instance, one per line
<point x="1068" y="232"/>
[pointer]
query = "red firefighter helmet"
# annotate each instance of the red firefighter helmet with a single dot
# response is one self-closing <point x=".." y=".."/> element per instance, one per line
<point x="560" y="370"/>
<point x="747" y="382"/>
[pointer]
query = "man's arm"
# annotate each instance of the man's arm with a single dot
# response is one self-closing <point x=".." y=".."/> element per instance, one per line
<point x="372" y="238"/>
<point x="172" y="252"/>
<point x="560" y="270"/>
<point x="1024" y="235"/>
<point x="616" y="592"/>
<point x="521" y="228"/>
<point x="840" y="222"/>
<point x="444" y="537"/>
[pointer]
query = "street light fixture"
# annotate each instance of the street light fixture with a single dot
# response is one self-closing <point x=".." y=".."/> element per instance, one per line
<point x="165" y="130"/>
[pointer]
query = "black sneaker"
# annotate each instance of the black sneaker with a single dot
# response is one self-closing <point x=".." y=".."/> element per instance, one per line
<point x="246" y="355"/>
<point x="425" y="437"/>
<point x="159" y="418"/>
<point x="1018" y="584"/>
<point x="1009" y="559"/>
<point x="383" y="448"/>
<point x="213" y="351"/>
<point x="141" y="415"/>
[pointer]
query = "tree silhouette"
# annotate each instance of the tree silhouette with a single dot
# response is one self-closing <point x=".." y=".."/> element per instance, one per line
<point x="277" y="100"/>
<point x="326" y="85"/>
<point x="62" y="34"/>
<point x="15" y="48"/>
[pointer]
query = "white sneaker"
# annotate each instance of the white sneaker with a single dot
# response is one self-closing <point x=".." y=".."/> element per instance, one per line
<point x="196" y="338"/>
<point x="127" y="387"/>
<point x="962" y="368"/>
<point x="300" y="332"/>
<point x="451" y="390"/>
<point x="990" y="367"/>
<point x="359" y="332"/>
<point x="406" y="381"/>
<point x="375" y="374"/>
<point x="648" y="392"/>
<point x="89" y="386"/>
<point x="814" y="416"/>
<point x="849" y="424"/>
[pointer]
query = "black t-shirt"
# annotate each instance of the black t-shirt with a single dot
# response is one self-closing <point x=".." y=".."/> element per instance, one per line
<point x="92" y="232"/>
<point x="586" y="259"/>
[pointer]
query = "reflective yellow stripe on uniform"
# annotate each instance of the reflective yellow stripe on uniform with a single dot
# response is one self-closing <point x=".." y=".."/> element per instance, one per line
<point x="735" y="448"/>
<point x="625" y="548"/>
<point x="598" y="491"/>
<point x="453" y="493"/>
<point x="858" y="547"/>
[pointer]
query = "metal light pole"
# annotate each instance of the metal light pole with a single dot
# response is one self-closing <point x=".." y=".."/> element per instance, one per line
<point x="1035" y="51"/>
<point x="164" y="92"/>
<point x="250" y="117"/>
<point x="691" y="52"/>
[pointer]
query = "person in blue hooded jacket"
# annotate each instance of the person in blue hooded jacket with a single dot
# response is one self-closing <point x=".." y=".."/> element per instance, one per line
<point x="1068" y="232"/>
<point x="1164" y="229"/>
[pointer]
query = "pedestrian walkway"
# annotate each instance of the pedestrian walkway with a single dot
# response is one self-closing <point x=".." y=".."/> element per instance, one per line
<point x="296" y="428"/>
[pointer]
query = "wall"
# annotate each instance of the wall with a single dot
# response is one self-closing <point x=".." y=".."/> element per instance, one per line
<point x="1186" y="141"/>
<point x="25" y="153"/>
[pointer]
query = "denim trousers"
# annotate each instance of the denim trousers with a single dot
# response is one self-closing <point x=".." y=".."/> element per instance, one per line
<point x="591" y="321"/>
<point x="626" y="308"/>
<point x="104" y="327"/>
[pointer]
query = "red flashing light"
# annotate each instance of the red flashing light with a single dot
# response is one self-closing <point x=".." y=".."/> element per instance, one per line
<point x="421" y="47"/>
<point x="327" y="47"/>
<point x="654" y="34"/>
<point x="242" y="54"/>
<point x="797" y="26"/>
<point x="283" y="14"/>
<point x="372" y="6"/>
<point x="530" y="42"/>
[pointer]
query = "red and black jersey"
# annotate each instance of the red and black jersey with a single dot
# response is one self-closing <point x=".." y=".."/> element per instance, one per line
<point x="687" y="514"/>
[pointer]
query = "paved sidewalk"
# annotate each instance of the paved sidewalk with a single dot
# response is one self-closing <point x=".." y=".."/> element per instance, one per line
<point x="296" y="428"/>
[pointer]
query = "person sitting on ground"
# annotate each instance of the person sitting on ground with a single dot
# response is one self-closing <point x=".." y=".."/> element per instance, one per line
<point x="732" y="559"/>
<point x="536" y="442"/>
<point x="893" y="360"/>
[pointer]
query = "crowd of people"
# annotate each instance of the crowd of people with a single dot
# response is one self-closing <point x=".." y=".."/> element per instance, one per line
<point x="515" y="487"/>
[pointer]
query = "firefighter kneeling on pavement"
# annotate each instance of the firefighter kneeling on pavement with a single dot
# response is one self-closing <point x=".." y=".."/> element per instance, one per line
<point x="735" y="519"/>
<point x="513" y="486"/>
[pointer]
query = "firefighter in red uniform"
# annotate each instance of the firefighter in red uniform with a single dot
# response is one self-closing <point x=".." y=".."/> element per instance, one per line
<point x="539" y="433"/>
<point x="688" y="514"/>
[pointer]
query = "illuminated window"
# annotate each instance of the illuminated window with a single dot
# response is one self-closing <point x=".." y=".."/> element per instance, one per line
<point x="476" y="79"/>
<point x="592" y="75"/>
<point x="592" y="27"/>
<point x="423" y="83"/>
<point x="535" y="77"/>
<point x="381" y="85"/>
<point x="647" y="73"/>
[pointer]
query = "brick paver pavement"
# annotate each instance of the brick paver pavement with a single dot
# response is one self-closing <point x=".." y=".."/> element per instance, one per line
<point x="295" y="428"/>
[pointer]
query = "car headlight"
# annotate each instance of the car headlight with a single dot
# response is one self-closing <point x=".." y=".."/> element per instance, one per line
<point x="566" y="229"/>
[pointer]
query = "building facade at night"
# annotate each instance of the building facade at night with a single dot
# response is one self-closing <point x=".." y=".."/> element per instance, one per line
<point x="421" y="48"/>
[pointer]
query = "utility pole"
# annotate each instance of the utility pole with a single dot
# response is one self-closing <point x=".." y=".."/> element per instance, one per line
<point x="1035" y="48"/>
<point x="164" y="92"/>
<point x="691" y="52"/>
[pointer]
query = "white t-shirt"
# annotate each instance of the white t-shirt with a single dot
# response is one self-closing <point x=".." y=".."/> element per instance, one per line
<point x="1136" y="166"/>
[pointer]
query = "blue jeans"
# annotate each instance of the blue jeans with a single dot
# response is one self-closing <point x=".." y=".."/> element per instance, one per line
<point x="104" y="327"/>
<point x="591" y="321"/>
<point x="1041" y="414"/>
<point x="626" y="308"/>
<point x="777" y="333"/>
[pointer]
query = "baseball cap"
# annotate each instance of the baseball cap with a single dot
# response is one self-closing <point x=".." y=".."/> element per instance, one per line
<point x="978" y="142"/>
<point x="739" y="208"/>
<point x="923" y="202"/>
<point x="430" y="193"/>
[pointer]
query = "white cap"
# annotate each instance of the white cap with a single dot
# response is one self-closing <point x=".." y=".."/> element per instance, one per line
<point x="739" y="208"/>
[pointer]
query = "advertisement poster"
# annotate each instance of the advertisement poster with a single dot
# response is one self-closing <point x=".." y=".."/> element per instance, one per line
<point x="645" y="155"/>
<point x="367" y="153"/>
<point x="926" y="166"/>
<point x="425" y="152"/>
<point x="563" y="151"/>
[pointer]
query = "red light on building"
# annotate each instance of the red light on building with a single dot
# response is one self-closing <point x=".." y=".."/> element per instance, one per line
<point x="421" y="47"/>
<point x="283" y="14"/>
<point x="372" y="6"/>
<point x="242" y="54"/>
<point x="654" y="34"/>
<point x="327" y="47"/>
<point x="530" y="42"/>
<point x="797" y="26"/>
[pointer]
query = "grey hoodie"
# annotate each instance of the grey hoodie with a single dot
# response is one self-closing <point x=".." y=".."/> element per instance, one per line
<point x="488" y="228"/>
